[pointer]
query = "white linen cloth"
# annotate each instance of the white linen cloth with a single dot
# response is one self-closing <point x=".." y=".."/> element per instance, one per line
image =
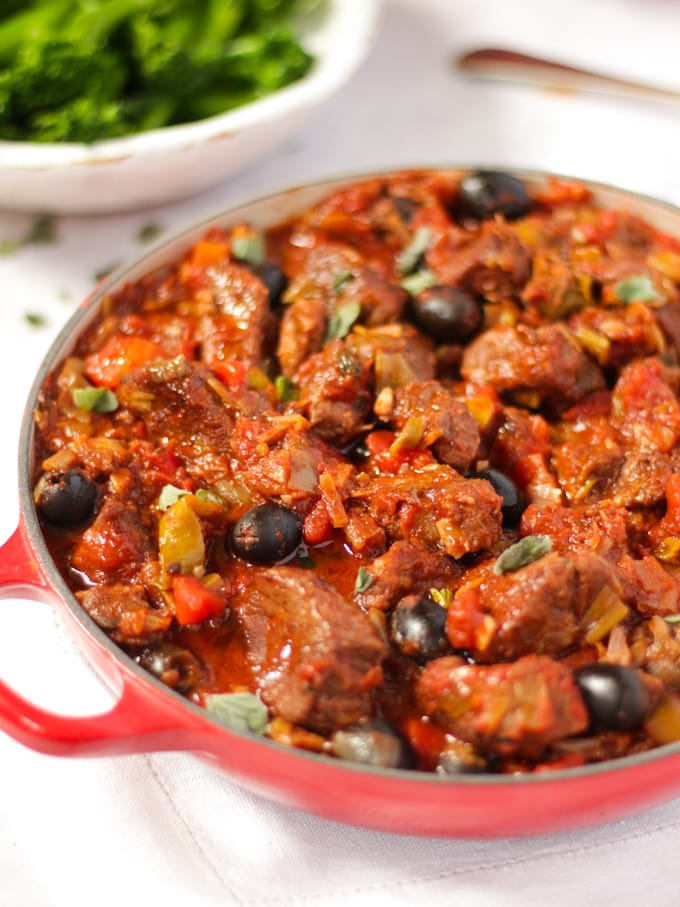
<point x="165" y="829"/>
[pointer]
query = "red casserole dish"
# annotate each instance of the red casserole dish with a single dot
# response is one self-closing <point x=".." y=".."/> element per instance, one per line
<point x="149" y="716"/>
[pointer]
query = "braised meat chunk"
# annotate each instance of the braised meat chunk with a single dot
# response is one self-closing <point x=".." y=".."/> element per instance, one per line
<point x="315" y="655"/>
<point x="532" y="366"/>
<point x="509" y="709"/>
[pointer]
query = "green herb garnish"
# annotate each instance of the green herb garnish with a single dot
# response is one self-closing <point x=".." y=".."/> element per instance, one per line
<point x="285" y="389"/>
<point x="169" y="495"/>
<point x="95" y="399"/>
<point x="411" y="255"/>
<point x="363" y="582"/>
<point x="249" y="249"/>
<point x="418" y="282"/>
<point x="342" y="319"/>
<point x="441" y="596"/>
<point x="526" y="551"/>
<point x="240" y="711"/>
<point x="341" y="282"/>
<point x="205" y="494"/>
<point x="35" y="319"/>
<point x="636" y="289"/>
<point x="149" y="232"/>
<point x="304" y="560"/>
<point x="42" y="231"/>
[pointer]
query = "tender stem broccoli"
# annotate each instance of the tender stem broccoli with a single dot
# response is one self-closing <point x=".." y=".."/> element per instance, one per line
<point x="87" y="70"/>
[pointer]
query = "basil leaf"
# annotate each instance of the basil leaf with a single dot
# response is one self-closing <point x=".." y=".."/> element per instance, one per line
<point x="35" y="319"/>
<point x="416" y="283"/>
<point x="636" y="289"/>
<point x="285" y="389"/>
<point x="341" y="282"/>
<point x="95" y="399"/>
<point x="363" y="582"/>
<point x="249" y="249"/>
<point x="205" y="494"/>
<point x="240" y="711"/>
<point x="410" y="256"/>
<point x="169" y="495"/>
<point x="149" y="232"/>
<point x="342" y="319"/>
<point x="304" y="560"/>
<point x="526" y="551"/>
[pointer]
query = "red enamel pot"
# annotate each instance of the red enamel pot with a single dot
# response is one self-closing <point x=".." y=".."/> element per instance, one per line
<point x="149" y="716"/>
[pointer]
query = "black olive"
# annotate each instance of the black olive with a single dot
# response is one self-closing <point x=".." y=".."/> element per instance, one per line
<point x="267" y="534"/>
<point x="371" y="743"/>
<point x="447" y="313"/>
<point x="275" y="280"/>
<point x="175" y="666"/>
<point x="417" y="628"/>
<point x="614" y="695"/>
<point x="514" y="500"/>
<point x="485" y="193"/>
<point x="66" y="498"/>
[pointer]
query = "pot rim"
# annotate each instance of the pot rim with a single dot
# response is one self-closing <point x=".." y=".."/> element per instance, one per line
<point x="165" y="250"/>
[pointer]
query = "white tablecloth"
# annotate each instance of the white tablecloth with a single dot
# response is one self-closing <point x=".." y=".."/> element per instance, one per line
<point x="164" y="829"/>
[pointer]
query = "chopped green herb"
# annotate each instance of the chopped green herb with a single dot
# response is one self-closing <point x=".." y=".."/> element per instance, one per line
<point x="304" y="560"/>
<point x="35" y="319"/>
<point x="104" y="272"/>
<point x="249" y="249"/>
<point x="169" y="495"/>
<point x="285" y="389"/>
<point x="441" y="596"/>
<point x="41" y="232"/>
<point x="149" y="232"/>
<point x="9" y="246"/>
<point x="363" y="582"/>
<point x="421" y="280"/>
<point x="411" y="255"/>
<point x="205" y="494"/>
<point x="342" y="319"/>
<point x="95" y="399"/>
<point x="636" y="289"/>
<point x="64" y="296"/>
<point x="526" y="551"/>
<point x="341" y="282"/>
<point x="240" y="711"/>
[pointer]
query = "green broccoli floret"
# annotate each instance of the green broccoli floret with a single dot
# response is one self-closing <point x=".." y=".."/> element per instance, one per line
<point x="83" y="120"/>
<point x="84" y="70"/>
<point x="50" y="74"/>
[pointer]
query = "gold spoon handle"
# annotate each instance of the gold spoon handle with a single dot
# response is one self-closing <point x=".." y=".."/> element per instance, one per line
<point x="508" y="65"/>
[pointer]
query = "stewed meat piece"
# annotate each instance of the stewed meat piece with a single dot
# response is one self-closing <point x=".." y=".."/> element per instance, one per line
<point x="446" y="423"/>
<point x="532" y="366"/>
<point x="176" y="399"/>
<point x="539" y="608"/>
<point x="114" y="547"/>
<point x="513" y="709"/>
<point x="315" y="656"/>
<point x="125" y="613"/>
<point x="405" y="569"/>
<point x="435" y="507"/>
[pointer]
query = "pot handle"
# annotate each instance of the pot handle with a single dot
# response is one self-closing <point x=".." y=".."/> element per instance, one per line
<point x="137" y="723"/>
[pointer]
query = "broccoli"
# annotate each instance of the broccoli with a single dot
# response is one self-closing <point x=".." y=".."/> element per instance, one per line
<point x="86" y="70"/>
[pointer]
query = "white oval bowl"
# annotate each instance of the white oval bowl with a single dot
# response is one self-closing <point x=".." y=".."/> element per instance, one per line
<point x="163" y="165"/>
